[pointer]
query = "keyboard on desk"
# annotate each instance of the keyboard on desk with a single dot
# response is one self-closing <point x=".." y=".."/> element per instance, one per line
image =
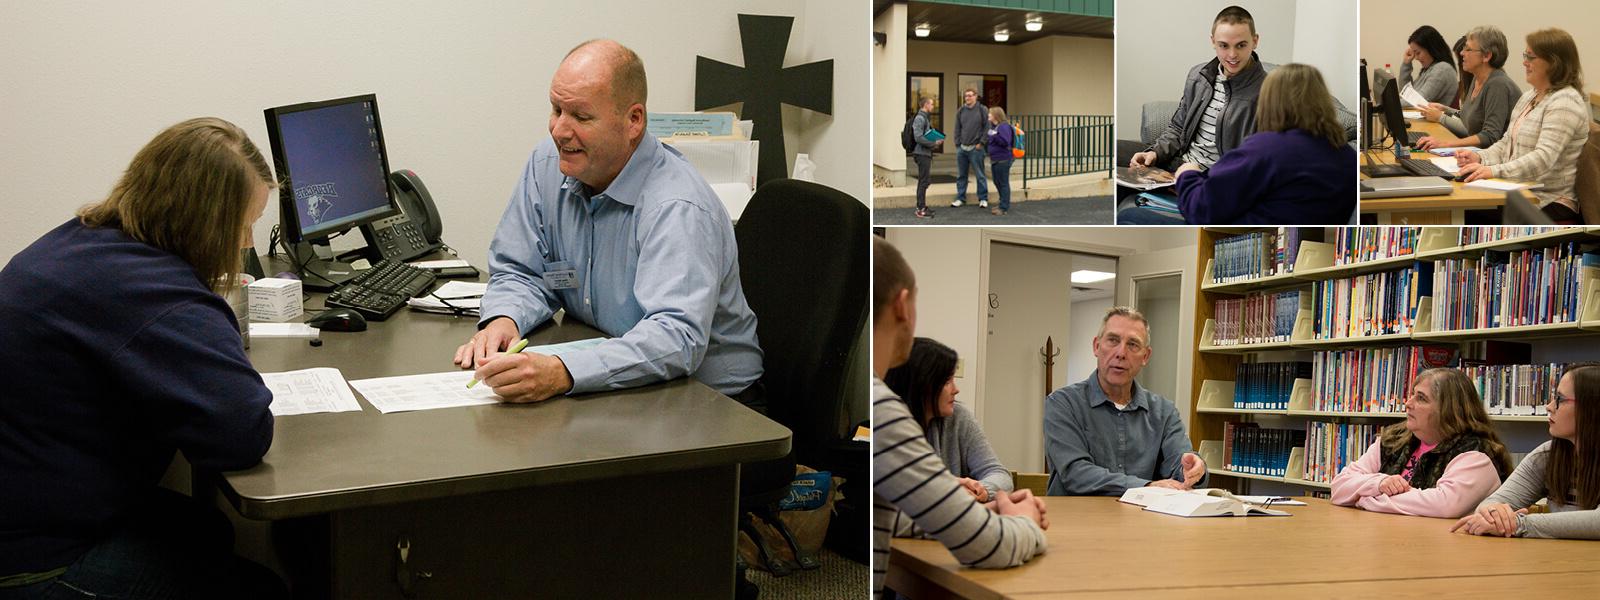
<point x="380" y="291"/>
<point x="1424" y="168"/>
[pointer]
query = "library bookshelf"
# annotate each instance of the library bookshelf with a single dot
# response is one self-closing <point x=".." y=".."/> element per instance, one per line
<point x="1215" y="366"/>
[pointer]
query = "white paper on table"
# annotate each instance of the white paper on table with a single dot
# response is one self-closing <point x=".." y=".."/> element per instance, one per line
<point x="424" y="392"/>
<point x="460" y="289"/>
<point x="462" y="295"/>
<point x="1411" y="115"/>
<point x="1447" y="163"/>
<point x="1496" y="184"/>
<point x="317" y="390"/>
<point x="283" y="330"/>
<point x="551" y="349"/>
<point x="440" y="264"/>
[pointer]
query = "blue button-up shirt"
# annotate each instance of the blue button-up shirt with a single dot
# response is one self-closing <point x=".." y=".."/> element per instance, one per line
<point x="1098" y="449"/>
<point x="656" y="268"/>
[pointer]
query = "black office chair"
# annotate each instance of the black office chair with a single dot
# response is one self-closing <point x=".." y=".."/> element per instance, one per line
<point x="803" y="264"/>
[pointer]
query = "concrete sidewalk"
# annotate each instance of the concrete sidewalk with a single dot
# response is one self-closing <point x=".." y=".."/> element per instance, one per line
<point x="1088" y="210"/>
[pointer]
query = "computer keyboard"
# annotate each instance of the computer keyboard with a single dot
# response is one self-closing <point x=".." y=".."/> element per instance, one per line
<point x="380" y="291"/>
<point x="1423" y="168"/>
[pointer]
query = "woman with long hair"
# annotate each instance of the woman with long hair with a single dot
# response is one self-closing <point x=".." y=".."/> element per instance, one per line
<point x="1564" y="470"/>
<point x="1437" y="79"/>
<point x="1002" y="137"/>
<point x="1440" y="462"/>
<point x="927" y="384"/>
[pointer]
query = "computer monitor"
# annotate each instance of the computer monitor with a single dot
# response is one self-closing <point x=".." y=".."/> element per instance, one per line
<point x="1394" y="119"/>
<point x="1365" y="108"/>
<point x="333" y="171"/>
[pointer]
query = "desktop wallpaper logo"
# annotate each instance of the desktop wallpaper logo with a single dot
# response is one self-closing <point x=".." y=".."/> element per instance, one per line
<point x="317" y="199"/>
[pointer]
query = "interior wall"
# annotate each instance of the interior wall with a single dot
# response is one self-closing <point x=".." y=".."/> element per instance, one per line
<point x="1077" y="352"/>
<point x="1179" y="259"/>
<point x="462" y="86"/>
<point x="1032" y="295"/>
<point x="1161" y="376"/>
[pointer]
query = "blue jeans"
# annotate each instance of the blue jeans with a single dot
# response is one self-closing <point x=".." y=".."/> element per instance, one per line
<point x="1002" y="182"/>
<point x="975" y="158"/>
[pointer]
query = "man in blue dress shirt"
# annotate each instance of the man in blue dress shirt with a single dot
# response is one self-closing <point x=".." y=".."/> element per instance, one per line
<point x="1105" y="434"/>
<point x="621" y="232"/>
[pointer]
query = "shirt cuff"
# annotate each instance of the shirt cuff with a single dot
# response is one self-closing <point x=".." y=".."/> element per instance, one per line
<point x="588" y="373"/>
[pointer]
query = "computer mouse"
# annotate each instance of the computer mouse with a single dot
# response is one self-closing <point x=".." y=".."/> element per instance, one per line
<point x="338" y="319"/>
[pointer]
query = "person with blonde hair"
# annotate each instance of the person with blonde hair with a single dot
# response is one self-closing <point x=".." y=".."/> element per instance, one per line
<point x="1564" y="470"/>
<point x="1549" y="126"/>
<point x="1002" y="138"/>
<point x="120" y="352"/>
<point x="1440" y="462"/>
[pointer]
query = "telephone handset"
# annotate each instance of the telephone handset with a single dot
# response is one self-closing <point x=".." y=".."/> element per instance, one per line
<point x="412" y="233"/>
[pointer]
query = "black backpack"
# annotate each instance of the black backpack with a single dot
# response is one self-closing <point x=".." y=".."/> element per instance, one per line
<point x="906" y="139"/>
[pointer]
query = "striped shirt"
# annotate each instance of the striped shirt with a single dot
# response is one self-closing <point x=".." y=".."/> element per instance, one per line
<point x="1203" y="150"/>
<point x="911" y="477"/>
<point x="1542" y="143"/>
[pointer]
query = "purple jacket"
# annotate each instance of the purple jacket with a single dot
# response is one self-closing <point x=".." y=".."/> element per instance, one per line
<point x="1273" y="178"/>
<point x="1000" y="139"/>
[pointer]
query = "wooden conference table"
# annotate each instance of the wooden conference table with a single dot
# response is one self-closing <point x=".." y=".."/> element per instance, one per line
<point x="1427" y="210"/>
<point x="1102" y="548"/>
<point x="619" y="494"/>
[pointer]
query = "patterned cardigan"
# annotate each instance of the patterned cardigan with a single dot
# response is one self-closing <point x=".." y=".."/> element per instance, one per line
<point x="1542" y="143"/>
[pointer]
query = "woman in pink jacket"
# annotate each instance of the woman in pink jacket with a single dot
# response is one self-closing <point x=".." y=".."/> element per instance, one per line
<point x="1441" y="462"/>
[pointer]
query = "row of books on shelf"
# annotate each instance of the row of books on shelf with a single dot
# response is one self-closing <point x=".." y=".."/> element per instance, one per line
<point x="1254" y="255"/>
<point x="1331" y="446"/>
<point x="1515" y="389"/>
<point x="1370" y="304"/>
<point x="1361" y="244"/>
<point x="1256" y="318"/>
<point x="1256" y="450"/>
<point x="1371" y="379"/>
<point x="1479" y="235"/>
<point x="1507" y="289"/>
<point x="1266" y="386"/>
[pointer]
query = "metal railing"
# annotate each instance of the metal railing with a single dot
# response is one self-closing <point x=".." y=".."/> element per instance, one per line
<point x="1058" y="145"/>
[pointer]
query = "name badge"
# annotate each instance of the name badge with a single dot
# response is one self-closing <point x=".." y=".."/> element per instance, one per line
<point x="561" y="276"/>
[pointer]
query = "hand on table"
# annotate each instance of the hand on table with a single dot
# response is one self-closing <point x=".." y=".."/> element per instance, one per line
<point x="1429" y="142"/>
<point x="1394" y="484"/>
<point x="1171" y="484"/>
<point x="1021" y="502"/>
<point x="1193" y="469"/>
<point x="1494" y="519"/>
<point x="1466" y="157"/>
<point x="498" y="335"/>
<point x="525" y="376"/>
<point x="975" y="488"/>
<point x="1475" y="171"/>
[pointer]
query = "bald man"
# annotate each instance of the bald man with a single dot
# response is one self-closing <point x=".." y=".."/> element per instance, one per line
<point x="619" y="230"/>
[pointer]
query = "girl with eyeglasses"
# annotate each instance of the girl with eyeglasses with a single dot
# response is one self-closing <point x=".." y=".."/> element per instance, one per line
<point x="1565" y="470"/>
<point x="1440" y="462"/>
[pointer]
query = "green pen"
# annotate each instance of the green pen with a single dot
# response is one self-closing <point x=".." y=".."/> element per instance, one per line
<point x="515" y="348"/>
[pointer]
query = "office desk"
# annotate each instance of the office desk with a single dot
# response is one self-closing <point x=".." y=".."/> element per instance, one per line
<point x="1427" y="210"/>
<point x="1100" y="547"/>
<point x="622" y="494"/>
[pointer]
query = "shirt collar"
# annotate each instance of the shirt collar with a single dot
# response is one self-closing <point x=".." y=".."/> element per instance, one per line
<point x="629" y="184"/>
<point x="1098" y="396"/>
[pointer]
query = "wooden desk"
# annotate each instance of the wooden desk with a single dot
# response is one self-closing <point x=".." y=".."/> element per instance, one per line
<point x="1100" y="547"/>
<point x="622" y="494"/>
<point x="1427" y="210"/>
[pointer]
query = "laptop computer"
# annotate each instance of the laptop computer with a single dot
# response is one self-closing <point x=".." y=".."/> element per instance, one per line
<point x="1395" y="187"/>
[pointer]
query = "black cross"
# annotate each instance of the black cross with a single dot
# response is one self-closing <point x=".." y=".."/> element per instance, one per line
<point x="763" y="84"/>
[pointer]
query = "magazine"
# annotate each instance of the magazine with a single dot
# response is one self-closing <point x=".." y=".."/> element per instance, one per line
<point x="1144" y="178"/>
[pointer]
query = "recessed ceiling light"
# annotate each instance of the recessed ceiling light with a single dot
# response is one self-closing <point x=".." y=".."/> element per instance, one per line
<point x="923" y="30"/>
<point x="1034" y="25"/>
<point x="1087" y="276"/>
<point x="1002" y="35"/>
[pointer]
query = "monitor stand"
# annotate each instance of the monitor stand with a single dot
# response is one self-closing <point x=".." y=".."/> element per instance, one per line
<point x="325" y="274"/>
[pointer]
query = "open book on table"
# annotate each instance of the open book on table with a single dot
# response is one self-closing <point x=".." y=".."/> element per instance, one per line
<point x="1205" y="502"/>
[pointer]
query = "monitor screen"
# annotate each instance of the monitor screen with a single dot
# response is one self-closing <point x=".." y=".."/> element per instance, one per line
<point x="1393" y="115"/>
<point x="331" y="165"/>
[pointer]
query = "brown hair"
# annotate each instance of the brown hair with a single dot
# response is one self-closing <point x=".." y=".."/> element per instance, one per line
<point x="1556" y="47"/>
<point x="1294" y="97"/>
<point x="188" y="192"/>
<point x="995" y="111"/>
<point x="1578" y="466"/>
<point x="1234" y="15"/>
<point x="628" y="83"/>
<point x="1458" y="410"/>
<point x="890" y="274"/>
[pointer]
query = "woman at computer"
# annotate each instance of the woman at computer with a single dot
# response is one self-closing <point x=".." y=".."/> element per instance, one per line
<point x="1487" y="95"/>
<point x="118" y="352"/>
<point x="1440" y="462"/>
<point x="1436" y="80"/>
<point x="1296" y="167"/>
<point x="1564" y="470"/>
<point x="1549" y="126"/>
<point x="926" y="383"/>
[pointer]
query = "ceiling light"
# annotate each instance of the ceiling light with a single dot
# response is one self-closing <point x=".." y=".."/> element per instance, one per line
<point x="1035" y="25"/>
<point x="922" y="30"/>
<point x="1087" y="276"/>
<point x="1002" y="35"/>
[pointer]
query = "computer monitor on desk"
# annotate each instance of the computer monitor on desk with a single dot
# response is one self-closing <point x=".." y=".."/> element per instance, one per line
<point x="333" y="175"/>
<point x="1395" y="122"/>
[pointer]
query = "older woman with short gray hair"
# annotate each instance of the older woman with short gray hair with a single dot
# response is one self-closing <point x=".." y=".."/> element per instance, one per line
<point x="1487" y="95"/>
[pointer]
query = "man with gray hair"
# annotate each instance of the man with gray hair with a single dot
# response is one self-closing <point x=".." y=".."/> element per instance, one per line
<point x="620" y="231"/>
<point x="1106" y="434"/>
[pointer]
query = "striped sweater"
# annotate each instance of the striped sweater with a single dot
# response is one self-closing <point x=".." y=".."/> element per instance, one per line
<point x="1542" y="143"/>
<point x="910" y="477"/>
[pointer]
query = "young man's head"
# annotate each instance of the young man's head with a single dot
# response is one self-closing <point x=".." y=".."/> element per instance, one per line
<point x="1122" y="348"/>
<point x="1233" y="37"/>
<point x="926" y="104"/>
<point x="894" y="307"/>
<point x="969" y="98"/>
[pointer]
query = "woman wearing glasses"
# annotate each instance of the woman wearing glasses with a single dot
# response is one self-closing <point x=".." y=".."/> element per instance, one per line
<point x="1487" y="94"/>
<point x="1440" y="462"/>
<point x="1564" y="463"/>
<point x="1549" y="126"/>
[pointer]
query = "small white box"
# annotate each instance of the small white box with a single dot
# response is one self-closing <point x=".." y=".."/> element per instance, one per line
<point x="275" y="300"/>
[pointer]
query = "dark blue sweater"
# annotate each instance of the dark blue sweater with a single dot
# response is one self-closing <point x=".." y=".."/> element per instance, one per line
<point x="1273" y="178"/>
<point x="113" y="356"/>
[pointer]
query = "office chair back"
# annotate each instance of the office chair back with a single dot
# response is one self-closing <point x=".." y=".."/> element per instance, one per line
<point x="803" y="263"/>
<point x="1586" y="189"/>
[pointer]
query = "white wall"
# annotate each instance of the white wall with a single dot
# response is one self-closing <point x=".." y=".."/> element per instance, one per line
<point x="1158" y="41"/>
<point x="462" y="86"/>
<point x="1385" y="27"/>
<point x="1085" y="69"/>
<point x="1175" y="259"/>
<point x="1077" y="352"/>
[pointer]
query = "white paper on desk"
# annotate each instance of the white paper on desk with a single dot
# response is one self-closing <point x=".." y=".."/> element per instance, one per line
<point x="316" y="390"/>
<point x="424" y="392"/>
<point x="1496" y="184"/>
<point x="1410" y="115"/>
<point x="283" y="330"/>
<point x="462" y="295"/>
<point x="1448" y="163"/>
<point x="1412" y="97"/>
<point x="551" y="349"/>
<point x="440" y="264"/>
